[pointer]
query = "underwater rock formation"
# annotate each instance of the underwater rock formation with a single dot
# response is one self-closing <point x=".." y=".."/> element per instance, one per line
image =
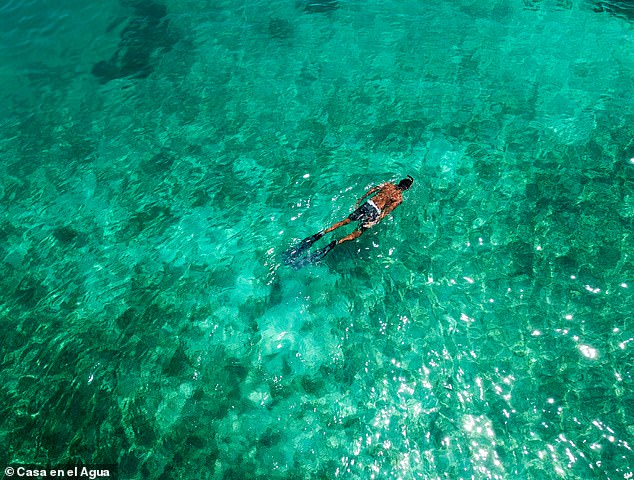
<point x="319" y="6"/>
<point x="622" y="8"/>
<point x="144" y="37"/>
<point x="280" y="29"/>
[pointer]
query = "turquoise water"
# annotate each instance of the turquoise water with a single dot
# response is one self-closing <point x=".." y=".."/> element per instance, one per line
<point x="157" y="158"/>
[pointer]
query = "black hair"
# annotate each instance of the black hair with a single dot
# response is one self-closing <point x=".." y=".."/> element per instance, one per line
<point x="406" y="183"/>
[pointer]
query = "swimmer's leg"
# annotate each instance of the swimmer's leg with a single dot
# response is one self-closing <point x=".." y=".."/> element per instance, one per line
<point x="307" y="242"/>
<point x="337" y="225"/>
<point x="356" y="234"/>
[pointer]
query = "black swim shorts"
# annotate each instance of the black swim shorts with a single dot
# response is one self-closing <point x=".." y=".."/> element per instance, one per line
<point x="366" y="214"/>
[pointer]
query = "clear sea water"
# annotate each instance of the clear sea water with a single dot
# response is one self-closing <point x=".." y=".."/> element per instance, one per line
<point x="157" y="158"/>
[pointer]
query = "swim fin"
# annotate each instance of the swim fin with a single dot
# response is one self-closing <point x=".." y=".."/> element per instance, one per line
<point x="314" y="257"/>
<point x="292" y="253"/>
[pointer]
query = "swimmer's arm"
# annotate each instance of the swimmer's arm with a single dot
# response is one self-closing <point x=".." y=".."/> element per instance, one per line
<point x="369" y="192"/>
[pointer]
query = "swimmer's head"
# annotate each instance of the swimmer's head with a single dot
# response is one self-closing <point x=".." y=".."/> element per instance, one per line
<point x="406" y="183"/>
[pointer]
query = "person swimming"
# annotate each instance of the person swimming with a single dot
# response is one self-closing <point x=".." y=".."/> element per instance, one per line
<point x="386" y="198"/>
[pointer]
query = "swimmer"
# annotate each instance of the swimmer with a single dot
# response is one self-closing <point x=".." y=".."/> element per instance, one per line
<point x="386" y="198"/>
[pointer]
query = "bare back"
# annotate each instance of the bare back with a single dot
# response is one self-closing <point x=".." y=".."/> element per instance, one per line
<point x="388" y="198"/>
